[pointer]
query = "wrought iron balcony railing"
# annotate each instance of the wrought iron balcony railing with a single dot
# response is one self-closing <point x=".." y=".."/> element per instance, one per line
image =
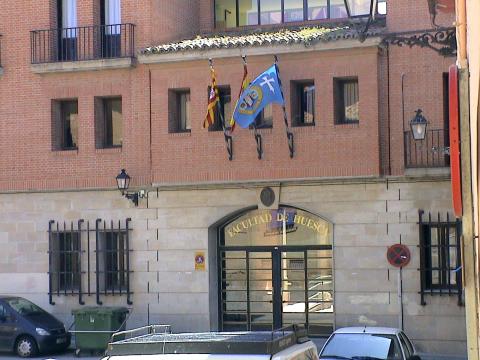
<point x="429" y="153"/>
<point x="82" y="43"/>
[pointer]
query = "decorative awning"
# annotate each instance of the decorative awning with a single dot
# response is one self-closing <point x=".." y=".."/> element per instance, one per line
<point x="307" y="36"/>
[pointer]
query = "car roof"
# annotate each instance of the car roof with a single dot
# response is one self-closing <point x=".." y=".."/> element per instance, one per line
<point x="367" y="330"/>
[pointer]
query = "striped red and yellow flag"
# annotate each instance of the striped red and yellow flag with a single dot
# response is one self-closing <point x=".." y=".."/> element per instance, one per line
<point x="213" y="100"/>
<point x="245" y="84"/>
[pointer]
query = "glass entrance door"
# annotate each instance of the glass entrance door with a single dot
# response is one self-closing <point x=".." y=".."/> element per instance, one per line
<point x="274" y="287"/>
<point x="307" y="290"/>
<point x="275" y="269"/>
<point x="247" y="290"/>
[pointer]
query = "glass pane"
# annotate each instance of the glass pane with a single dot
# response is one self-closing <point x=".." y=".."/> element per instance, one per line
<point x="70" y="124"/>
<point x="113" y="16"/>
<point x="382" y="7"/>
<point x="317" y="9"/>
<point x="351" y="100"/>
<point x="270" y="12"/>
<point x="223" y="111"/>
<point x="184" y="111"/>
<point x="248" y="12"/>
<point x="293" y="10"/>
<point x="286" y="226"/>
<point x="225" y="14"/>
<point x="113" y="119"/>
<point x="359" y="7"/>
<point x="308" y="99"/>
<point x="337" y="9"/>
<point x="265" y="118"/>
<point x="69" y="16"/>
<point x="261" y="292"/>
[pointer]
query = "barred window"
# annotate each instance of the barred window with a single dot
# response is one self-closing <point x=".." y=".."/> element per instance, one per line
<point x="113" y="261"/>
<point x="65" y="260"/>
<point x="440" y="259"/>
<point x="87" y="259"/>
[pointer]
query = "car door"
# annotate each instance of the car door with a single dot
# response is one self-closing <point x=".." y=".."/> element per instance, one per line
<point x="7" y="328"/>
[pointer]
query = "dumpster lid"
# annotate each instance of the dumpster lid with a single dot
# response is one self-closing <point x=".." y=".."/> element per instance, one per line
<point x="250" y="342"/>
<point x="103" y="310"/>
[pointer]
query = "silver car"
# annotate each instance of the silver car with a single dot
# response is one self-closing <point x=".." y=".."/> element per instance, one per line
<point x="368" y="343"/>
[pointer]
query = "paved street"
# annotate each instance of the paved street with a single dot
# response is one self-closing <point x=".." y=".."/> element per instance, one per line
<point x="67" y="355"/>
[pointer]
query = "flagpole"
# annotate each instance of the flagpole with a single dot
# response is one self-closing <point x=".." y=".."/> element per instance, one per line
<point x="228" y="138"/>
<point x="285" y="119"/>
<point x="256" y="134"/>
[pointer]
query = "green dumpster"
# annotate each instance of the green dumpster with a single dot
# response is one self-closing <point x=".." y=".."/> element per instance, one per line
<point x="96" y="325"/>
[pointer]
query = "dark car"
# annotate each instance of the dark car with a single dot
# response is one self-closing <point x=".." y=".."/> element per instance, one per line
<point x="27" y="329"/>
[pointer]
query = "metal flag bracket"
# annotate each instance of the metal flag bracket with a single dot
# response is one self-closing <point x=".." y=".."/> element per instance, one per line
<point x="228" y="138"/>
<point x="290" y="137"/>
<point x="259" y="141"/>
<point x="290" y="143"/>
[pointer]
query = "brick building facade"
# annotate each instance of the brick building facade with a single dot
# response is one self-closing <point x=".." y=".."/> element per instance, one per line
<point x="366" y="179"/>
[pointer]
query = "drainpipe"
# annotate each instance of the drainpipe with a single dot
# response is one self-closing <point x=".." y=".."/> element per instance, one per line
<point x="461" y="24"/>
<point x="468" y="232"/>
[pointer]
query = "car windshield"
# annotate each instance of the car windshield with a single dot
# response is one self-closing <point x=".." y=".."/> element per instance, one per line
<point x="362" y="346"/>
<point x="25" y="307"/>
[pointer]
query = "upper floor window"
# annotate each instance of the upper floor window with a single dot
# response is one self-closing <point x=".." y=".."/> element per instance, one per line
<point x="264" y="119"/>
<point x="65" y="124"/>
<point x="179" y="111"/>
<point x="111" y="20"/>
<point x="223" y="110"/>
<point x="234" y="13"/>
<point x="303" y="103"/>
<point x="346" y="101"/>
<point x="108" y="122"/>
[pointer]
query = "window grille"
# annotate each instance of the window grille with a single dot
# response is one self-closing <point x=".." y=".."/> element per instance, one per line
<point x="112" y="259"/>
<point x="70" y="259"/>
<point x="65" y="260"/>
<point x="440" y="256"/>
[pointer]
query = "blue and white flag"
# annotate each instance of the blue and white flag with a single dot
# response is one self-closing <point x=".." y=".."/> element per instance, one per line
<point x="264" y="90"/>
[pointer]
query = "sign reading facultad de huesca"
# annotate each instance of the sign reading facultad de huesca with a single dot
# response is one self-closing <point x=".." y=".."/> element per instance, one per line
<point x="319" y="226"/>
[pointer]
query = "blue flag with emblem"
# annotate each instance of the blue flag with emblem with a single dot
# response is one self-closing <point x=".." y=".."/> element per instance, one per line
<point x="264" y="90"/>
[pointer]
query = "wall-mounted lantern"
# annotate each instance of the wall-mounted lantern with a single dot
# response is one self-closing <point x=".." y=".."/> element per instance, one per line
<point x="419" y="125"/>
<point x="123" y="182"/>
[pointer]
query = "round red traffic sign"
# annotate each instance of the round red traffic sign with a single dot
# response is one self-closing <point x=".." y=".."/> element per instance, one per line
<point x="398" y="255"/>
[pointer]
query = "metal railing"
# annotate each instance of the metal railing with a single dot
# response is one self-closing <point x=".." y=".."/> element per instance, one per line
<point x="432" y="152"/>
<point x="82" y="43"/>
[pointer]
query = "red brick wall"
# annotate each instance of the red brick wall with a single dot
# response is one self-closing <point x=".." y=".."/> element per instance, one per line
<point x="27" y="161"/>
<point x="324" y="150"/>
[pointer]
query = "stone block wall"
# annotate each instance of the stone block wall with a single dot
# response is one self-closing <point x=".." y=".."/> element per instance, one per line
<point x="172" y="224"/>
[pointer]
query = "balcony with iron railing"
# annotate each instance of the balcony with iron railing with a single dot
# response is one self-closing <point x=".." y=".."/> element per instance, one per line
<point x="81" y="48"/>
<point x="432" y="152"/>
